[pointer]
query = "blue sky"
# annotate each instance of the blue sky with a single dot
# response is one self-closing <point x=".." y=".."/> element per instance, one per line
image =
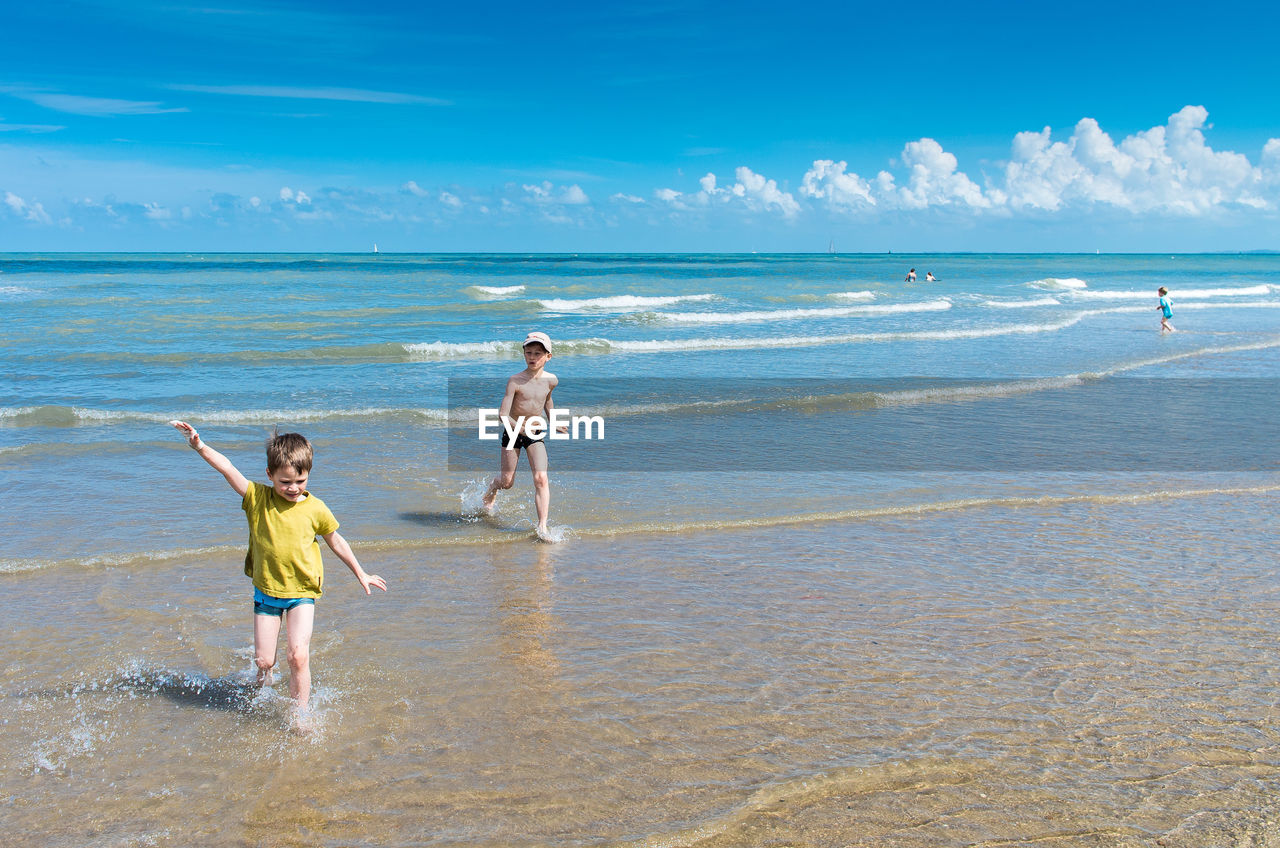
<point x="638" y="126"/>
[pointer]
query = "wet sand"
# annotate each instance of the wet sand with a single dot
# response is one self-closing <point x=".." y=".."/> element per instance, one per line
<point x="1081" y="673"/>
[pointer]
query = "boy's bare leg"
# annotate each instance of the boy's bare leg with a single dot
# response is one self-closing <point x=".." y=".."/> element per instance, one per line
<point x="541" y="483"/>
<point x="506" y="477"/>
<point x="298" y="623"/>
<point x="266" y="630"/>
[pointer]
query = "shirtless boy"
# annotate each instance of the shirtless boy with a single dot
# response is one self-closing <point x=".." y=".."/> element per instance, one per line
<point x="528" y="395"/>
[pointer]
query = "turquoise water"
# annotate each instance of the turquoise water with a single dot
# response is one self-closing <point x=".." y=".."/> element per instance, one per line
<point x="696" y="363"/>
<point x="857" y="561"/>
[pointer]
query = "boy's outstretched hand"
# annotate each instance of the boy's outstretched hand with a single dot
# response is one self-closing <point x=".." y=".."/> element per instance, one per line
<point x="369" y="580"/>
<point x="189" y="432"/>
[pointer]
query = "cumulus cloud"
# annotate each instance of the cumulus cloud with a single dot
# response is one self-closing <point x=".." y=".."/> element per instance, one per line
<point x="830" y="181"/>
<point x="1169" y="169"/>
<point x="548" y="193"/>
<point x="933" y="179"/>
<point x="752" y="192"/>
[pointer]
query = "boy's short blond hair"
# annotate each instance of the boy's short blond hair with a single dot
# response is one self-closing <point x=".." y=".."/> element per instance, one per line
<point x="289" y="450"/>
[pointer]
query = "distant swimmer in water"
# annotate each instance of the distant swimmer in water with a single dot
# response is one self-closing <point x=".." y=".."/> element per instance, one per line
<point x="929" y="278"/>
<point x="911" y="275"/>
<point x="1166" y="310"/>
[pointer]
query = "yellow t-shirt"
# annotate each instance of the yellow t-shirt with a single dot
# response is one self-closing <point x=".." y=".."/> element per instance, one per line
<point x="284" y="556"/>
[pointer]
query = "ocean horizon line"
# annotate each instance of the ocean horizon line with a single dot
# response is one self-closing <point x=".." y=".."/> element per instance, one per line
<point x="579" y="253"/>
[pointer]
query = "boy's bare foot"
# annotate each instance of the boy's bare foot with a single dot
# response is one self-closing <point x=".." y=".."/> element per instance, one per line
<point x="547" y="535"/>
<point x="304" y="721"/>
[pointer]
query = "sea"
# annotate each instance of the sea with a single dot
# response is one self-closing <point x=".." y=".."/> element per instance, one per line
<point x="836" y="558"/>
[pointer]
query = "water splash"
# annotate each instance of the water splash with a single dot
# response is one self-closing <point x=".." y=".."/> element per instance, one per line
<point x="472" y="498"/>
<point x="553" y="535"/>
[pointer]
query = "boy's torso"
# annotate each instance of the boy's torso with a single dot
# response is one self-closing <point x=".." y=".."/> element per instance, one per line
<point x="531" y="393"/>
<point x="284" y="557"/>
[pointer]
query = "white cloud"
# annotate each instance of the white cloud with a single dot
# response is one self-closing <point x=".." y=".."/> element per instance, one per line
<point x="33" y="212"/>
<point x="764" y="192"/>
<point x="828" y="180"/>
<point x="1167" y="170"/>
<point x="299" y="197"/>
<point x="752" y="192"/>
<point x="670" y="196"/>
<point x="285" y="92"/>
<point x="546" y="193"/>
<point x="95" y="106"/>
<point x="1270" y="167"/>
<point x="933" y="181"/>
<point x="30" y="128"/>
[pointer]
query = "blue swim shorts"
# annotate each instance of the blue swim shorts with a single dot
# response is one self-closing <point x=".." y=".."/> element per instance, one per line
<point x="264" y="604"/>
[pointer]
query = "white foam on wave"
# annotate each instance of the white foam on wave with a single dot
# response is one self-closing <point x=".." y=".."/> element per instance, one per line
<point x="799" y="314"/>
<point x="603" y="346"/>
<point x="619" y="303"/>
<point x="1130" y="294"/>
<point x="73" y="416"/>
<point x="854" y="295"/>
<point x="724" y="343"/>
<point x="1055" y="284"/>
<point x="424" y="351"/>
<point x="449" y="350"/>
<point x="15" y="292"/>
<point x="1021" y="304"/>
<point x="271" y="416"/>
<point x="498" y="291"/>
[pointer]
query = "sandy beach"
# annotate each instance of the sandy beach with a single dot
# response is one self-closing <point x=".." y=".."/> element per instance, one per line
<point x="908" y="681"/>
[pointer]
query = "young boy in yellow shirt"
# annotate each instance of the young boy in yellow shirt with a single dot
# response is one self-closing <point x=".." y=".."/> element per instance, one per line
<point x="283" y="558"/>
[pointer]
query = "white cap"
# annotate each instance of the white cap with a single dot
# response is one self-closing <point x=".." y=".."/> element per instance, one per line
<point x="541" y="338"/>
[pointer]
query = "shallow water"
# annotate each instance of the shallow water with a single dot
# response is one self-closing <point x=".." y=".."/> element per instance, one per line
<point x="999" y="572"/>
<point x="1096" y="672"/>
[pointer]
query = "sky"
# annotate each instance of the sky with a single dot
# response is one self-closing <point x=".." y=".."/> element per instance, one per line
<point x="654" y="126"/>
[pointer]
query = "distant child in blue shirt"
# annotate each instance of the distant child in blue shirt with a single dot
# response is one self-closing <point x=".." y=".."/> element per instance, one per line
<point x="1166" y="310"/>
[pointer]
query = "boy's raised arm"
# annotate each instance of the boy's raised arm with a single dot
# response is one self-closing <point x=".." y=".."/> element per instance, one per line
<point x="219" y="462"/>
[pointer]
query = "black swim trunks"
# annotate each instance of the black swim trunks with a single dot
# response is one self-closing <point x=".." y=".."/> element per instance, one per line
<point x="522" y="440"/>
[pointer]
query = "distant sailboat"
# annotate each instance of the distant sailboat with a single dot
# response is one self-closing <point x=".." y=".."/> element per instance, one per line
<point x="831" y="248"/>
<point x="375" y="247"/>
